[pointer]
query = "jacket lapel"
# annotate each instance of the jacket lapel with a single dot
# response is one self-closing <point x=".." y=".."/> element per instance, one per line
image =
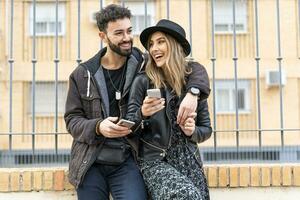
<point x="132" y="65"/>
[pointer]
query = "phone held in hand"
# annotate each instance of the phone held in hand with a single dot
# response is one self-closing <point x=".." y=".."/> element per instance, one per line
<point x="155" y="93"/>
<point x="127" y="123"/>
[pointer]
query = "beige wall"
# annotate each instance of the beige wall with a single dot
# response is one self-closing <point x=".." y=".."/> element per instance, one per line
<point x="201" y="40"/>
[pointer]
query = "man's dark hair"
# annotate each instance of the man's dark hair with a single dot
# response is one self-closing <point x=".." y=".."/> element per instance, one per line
<point x="111" y="13"/>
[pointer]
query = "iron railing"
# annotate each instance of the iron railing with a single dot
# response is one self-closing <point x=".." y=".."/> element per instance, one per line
<point x="213" y="153"/>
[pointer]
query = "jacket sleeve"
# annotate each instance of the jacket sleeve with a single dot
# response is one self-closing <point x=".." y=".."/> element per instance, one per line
<point x="135" y="102"/>
<point x="199" y="79"/>
<point x="78" y="125"/>
<point x="203" y="128"/>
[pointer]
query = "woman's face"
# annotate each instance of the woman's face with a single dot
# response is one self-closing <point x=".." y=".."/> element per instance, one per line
<point x="158" y="48"/>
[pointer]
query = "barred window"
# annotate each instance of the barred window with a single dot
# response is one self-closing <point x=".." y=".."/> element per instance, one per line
<point x="45" y="24"/>
<point x="223" y="16"/>
<point x="226" y="97"/>
<point x="45" y="98"/>
<point x="138" y="15"/>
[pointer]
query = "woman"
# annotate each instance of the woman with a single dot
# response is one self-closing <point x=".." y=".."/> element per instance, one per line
<point x="169" y="158"/>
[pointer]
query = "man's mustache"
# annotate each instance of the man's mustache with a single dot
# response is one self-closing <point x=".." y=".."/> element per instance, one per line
<point x="130" y="42"/>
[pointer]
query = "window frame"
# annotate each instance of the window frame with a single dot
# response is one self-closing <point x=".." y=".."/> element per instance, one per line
<point x="229" y="15"/>
<point x="50" y="98"/>
<point x="229" y="85"/>
<point x="61" y="19"/>
<point x="137" y="9"/>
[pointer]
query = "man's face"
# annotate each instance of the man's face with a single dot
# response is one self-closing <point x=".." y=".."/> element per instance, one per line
<point x="119" y="36"/>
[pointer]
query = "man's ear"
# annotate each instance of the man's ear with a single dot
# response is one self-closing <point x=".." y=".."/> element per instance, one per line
<point x="102" y="35"/>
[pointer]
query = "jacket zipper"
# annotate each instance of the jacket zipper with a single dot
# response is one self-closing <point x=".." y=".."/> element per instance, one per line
<point x="164" y="152"/>
<point x="169" y="142"/>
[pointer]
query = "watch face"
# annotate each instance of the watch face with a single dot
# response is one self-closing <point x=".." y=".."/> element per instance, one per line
<point x="195" y="91"/>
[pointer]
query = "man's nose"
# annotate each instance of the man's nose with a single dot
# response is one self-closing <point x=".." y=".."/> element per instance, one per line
<point x="127" y="37"/>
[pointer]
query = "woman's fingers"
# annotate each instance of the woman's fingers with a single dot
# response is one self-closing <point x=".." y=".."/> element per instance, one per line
<point x="152" y="105"/>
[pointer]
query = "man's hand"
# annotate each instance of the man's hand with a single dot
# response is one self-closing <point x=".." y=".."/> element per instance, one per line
<point x="109" y="129"/>
<point x="187" y="106"/>
<point x="189" y="125"/>
<point x="152" y="105"/>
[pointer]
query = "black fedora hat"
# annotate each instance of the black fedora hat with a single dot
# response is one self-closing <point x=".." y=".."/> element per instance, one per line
<point x="171" y="28"/>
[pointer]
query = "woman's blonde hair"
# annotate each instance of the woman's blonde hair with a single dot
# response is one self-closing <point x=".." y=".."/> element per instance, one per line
<point x="174" y="72"/>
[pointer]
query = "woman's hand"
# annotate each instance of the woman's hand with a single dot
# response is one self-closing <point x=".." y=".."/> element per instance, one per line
<point x="187" y="107"/>
<point x="188" y="127"/>
<point x="152" y="105"/>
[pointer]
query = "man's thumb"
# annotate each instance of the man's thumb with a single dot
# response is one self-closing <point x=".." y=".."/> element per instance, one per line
<point x="113" y="119"/>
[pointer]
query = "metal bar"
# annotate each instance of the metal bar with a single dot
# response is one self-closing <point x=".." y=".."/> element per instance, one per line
<point x="168" y="9"/>
<point x="33" y="77"/>
<point x="146" y="14"/>
<point x="122" y="3"/>
<point x="101" y="6"/>
<point x="213" y="61"/>
<point x="78" y="32"/>
<point x="56" y="61"/>
<point x="220" y="131"/>
<point x="235" y="76"/>
<point x="30" y="133"/>
<point x="257" y="59"/>
<point x="298" y="22"/>
<point x="190" y="25"/>
<point x="11" y="61"/>
<point x="279" y="58"/>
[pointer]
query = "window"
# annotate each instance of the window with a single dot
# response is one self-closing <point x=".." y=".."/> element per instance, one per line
<point x="223" y="16"/>
<point x="45" y="98"/>
<point x="225" y="96"/>
<point x="138" y="15"/>
<point x="45" y="24"/>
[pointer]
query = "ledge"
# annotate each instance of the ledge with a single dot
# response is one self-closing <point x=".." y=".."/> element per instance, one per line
<point x="218" y="176"/>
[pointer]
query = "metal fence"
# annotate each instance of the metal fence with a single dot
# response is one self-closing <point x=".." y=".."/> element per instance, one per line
<point x="213" y="153"/>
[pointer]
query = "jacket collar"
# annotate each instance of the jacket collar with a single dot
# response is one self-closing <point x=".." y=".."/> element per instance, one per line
<point x="93" y="63"/>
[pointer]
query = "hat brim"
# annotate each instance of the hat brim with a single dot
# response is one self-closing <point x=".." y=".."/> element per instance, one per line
<point x="144" y="36"/>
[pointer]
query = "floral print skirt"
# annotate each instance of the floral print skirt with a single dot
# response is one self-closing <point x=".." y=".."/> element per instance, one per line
<point x="179" y="176"/>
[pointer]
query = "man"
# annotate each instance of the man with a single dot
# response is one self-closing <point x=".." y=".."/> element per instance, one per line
<point x="103" y="152"/>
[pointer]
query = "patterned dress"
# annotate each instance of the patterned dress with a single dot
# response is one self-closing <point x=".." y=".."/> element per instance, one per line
<point x="179" y="176"/>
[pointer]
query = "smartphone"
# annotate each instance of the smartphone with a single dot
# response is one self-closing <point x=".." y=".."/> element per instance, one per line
<point x="127" y="123"/>
<point x="154" y="93"/>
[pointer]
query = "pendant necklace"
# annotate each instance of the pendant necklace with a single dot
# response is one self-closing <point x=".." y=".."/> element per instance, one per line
<point x="118" y="93"/>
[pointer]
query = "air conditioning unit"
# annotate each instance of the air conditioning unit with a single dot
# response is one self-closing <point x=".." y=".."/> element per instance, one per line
<point x="273" y="78"/>
<point x="93" y="17"/>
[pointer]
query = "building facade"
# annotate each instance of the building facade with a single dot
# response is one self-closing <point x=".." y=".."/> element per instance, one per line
<point x="242" y="56"/>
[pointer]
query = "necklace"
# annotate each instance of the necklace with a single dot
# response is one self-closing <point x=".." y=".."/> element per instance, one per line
<point x="118" y="93"/>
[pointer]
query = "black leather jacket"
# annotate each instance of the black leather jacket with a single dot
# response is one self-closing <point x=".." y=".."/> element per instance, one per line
<point x="155" y="131"/>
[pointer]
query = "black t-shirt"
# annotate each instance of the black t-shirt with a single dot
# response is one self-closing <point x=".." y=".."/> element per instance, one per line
<point x="114" y="82"/>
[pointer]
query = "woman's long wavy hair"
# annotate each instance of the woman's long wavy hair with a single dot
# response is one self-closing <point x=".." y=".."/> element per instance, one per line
<point x="174" y="72"/>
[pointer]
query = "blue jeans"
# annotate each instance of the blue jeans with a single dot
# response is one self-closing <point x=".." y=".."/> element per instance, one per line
<point x="122" y="181"/>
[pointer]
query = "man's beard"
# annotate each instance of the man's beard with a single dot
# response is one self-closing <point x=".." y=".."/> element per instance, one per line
<point x="118" y="50"/>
